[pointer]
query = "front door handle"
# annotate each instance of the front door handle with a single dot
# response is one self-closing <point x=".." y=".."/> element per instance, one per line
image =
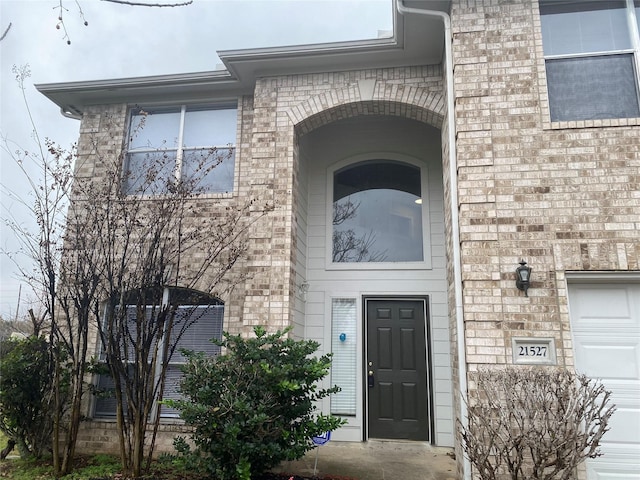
<point x="371" y="379"/>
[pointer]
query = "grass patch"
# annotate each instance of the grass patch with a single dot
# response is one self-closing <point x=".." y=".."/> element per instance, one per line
<point x="24" y="469"/>
<point x="86" y="467"/>
<point x="93" y="467"/>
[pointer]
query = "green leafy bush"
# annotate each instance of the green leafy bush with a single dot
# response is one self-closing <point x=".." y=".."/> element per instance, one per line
<point x="253" y="407"/>
<point x="26" y="403"/>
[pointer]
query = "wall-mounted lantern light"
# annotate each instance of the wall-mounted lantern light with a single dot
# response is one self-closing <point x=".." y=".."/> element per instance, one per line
<point x="523" y="277"/>
<point x="303" y="289"/>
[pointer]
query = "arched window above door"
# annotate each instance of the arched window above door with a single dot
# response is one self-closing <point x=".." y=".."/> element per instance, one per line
<point x="377" y="213"/>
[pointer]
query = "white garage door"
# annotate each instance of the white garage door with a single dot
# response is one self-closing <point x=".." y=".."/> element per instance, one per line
<point x="605" y="322"/>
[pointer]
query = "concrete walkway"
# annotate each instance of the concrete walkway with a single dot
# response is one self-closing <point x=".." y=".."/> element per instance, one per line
<point x="377" y="460"/>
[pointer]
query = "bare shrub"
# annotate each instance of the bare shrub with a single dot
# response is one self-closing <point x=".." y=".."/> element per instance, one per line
<point x="535" y="423"/>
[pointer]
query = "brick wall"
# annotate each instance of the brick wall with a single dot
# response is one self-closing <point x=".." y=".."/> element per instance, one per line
<point x="561" y="196"/>
<point x="269" y="123"/>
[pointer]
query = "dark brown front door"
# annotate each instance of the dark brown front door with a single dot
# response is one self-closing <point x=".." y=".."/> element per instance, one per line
<point x="396" y="369"/>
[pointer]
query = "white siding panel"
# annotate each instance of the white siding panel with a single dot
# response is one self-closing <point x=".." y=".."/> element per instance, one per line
<point x="301" y="249"/>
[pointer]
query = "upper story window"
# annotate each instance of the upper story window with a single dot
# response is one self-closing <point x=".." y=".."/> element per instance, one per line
<point x="181" y="144"/>
<point x="592" y="58"/>
<point x="377" y="213"/>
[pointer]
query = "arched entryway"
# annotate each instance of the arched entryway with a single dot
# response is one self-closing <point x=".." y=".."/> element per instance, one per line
<point x="383" y="314"/>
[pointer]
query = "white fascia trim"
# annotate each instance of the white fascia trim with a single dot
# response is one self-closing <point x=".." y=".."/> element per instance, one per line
<point x="182" y="79"/>
<point x="304" y="51"/>
<point x="353" y="47"/>
<point x="327" y="48"/>
<point x="71" y="96"/>
<point x="228" y="57"/>
<point x="617" y="276"/>
<point x="64" y="94"/>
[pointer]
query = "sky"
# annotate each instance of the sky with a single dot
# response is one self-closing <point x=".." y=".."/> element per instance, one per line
<point x="125" y="41"/>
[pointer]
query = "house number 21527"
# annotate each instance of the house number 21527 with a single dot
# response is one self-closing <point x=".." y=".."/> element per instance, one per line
<point x="529" y="350"/>
<point x="532" y="351"/>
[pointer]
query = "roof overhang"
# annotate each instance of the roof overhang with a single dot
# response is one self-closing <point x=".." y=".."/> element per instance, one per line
<point x="417" y="40"/>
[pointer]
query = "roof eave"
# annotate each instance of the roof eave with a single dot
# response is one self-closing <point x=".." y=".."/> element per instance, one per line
<point x="415" y="42"/>
<point x="73" y="97"/>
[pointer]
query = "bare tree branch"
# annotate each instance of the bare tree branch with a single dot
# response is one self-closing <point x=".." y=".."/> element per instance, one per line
<point x="5" y="32"/>
<point x="144" y="4"/>
<point x="103" y="257"/>
<point x="62" y="9"/>
<point x="536" y="423"/>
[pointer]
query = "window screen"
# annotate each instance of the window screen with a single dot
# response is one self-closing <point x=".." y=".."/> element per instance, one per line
<point x="592" y="88"/>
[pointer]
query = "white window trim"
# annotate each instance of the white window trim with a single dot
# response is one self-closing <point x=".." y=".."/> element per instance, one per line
<point x="179" y="149"/>
<point x="426" y="263"/>
<point x="634" y="33"/>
